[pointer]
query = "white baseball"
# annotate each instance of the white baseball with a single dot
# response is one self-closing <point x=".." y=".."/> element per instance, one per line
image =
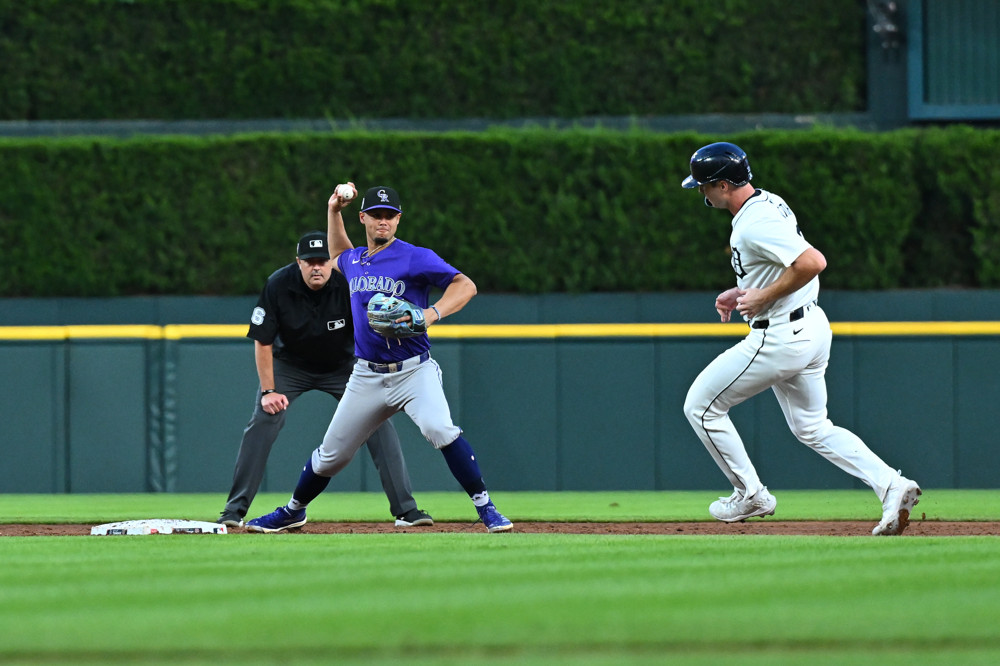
<point x="345" y="192"/>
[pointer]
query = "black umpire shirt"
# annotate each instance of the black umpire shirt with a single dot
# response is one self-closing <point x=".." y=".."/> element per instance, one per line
<point x="311" y="329"/>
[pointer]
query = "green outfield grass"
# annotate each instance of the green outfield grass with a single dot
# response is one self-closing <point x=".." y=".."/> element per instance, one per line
<point x="417" y="598"/>
<point x="455" y="506"/>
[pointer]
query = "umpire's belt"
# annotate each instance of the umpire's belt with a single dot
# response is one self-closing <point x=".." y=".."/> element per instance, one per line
<point x="794" y="315"/>
<point x="384" y="368"/>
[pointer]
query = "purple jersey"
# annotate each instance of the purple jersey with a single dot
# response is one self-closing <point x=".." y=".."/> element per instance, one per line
<point x="402" y="270"/>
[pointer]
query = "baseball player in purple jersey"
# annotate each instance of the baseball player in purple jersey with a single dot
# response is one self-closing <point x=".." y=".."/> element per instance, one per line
<point x="786" y="350"/>
<point x="392" y="374"/>
<point x="304" y="341"/>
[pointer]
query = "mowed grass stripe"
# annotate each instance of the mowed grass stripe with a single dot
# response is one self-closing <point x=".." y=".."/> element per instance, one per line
<point x="625" y="505"/>
<point x="525" y="598"/>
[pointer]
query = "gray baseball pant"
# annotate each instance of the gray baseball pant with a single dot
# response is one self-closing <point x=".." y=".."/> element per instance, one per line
<point x="263" y="428"/>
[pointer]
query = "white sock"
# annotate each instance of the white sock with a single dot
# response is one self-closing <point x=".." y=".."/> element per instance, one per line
<point x="481" y="499"/>
<point x="295" y="505"/>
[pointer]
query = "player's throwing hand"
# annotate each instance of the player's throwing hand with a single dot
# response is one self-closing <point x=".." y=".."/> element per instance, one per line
<point x="342" y="196"/>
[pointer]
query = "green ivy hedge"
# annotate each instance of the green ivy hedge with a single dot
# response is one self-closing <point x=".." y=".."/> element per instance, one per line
<point x="526" y="211"/>
<point x="195" y="59"/>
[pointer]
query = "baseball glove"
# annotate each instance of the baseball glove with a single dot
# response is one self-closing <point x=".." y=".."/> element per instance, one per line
<point x="383" y="311"/>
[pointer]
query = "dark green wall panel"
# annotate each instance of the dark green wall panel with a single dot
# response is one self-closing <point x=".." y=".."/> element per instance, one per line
<point x="219" y="385"/>
<point x="905" y="406"/>
<point x="32" y="435"/>
<point x="977" y="417"/>
<point x="509" y="391"/>
<point x="543" y="413"/>
<point x="215" y="382"/>
<point x="107" y="416"/>
<point x="607" y="433"/>
<point x="681" y="460"/>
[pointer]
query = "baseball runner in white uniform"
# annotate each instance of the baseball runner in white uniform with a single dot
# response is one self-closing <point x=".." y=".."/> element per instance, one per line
<point x="787" y="349"/>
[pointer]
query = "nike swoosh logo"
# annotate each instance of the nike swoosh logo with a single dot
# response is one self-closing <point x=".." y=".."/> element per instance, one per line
<point x="796" y="332"/>
<point x="354" y="261"/>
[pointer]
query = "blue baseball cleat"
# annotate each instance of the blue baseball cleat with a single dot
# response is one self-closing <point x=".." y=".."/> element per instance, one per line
<point x="493" y="519"/>
<point x="279" y="520"/>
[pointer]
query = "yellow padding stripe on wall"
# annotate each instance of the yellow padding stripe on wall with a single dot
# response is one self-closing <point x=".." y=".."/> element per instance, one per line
<point x="506" y="331"/>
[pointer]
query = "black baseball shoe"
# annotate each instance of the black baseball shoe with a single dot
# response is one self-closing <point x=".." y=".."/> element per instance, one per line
<point x="230" y="520"/>
<point x="414" y="518"/>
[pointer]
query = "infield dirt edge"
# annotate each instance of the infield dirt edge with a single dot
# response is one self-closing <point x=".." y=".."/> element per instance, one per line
<point x="753" y="526"/>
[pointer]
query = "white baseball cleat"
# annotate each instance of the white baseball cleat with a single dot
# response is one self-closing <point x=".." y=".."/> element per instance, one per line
<point x="736" y="507"/>
<point x="900" y="499"/>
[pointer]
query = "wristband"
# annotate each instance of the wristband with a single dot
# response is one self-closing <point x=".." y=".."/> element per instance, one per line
<point x="437" y="313"/>
<point x="266" y="391"/>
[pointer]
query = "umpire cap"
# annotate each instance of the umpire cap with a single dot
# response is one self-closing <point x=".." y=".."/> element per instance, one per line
<point x="313" y="246"/>
<point x="718" y="161"/>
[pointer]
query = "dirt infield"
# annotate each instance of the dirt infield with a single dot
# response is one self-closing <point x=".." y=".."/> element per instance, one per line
<point x="772" y="527"/>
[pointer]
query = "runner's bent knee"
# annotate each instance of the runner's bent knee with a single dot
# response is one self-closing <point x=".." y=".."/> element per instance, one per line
<point x="813" y="432"/>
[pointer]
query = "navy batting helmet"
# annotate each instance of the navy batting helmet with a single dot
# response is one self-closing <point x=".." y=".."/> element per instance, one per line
<point x="718" y="161"/>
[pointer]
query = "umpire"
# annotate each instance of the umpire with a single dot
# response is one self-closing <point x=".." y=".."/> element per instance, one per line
<point x="303" y="340"/>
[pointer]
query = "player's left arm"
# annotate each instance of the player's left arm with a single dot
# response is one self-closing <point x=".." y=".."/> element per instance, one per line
<point x="455" y="297"/>
<point x="806" y="266"/>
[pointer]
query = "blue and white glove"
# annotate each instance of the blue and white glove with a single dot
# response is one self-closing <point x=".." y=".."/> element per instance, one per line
<point x="385" y="311"/>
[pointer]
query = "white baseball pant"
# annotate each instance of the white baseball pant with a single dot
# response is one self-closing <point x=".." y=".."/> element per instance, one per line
<point x="790" y="357"/>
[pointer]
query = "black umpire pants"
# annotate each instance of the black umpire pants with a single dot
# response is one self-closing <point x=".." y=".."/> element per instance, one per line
<point x="263" y="429"/>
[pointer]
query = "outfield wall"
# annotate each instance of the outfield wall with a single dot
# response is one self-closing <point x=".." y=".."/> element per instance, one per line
<point x="549" y="405"/>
